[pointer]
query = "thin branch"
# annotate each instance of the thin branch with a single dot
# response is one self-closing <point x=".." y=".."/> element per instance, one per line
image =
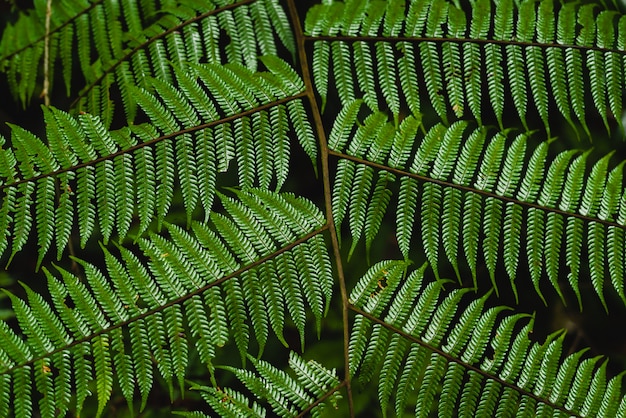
<point x="46" y="57"/>
<point x="319" y="128"/>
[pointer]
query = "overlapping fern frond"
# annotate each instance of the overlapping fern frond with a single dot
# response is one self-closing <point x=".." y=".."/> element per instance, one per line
<point x="477" y="362"/>
<point x="86" y="172"/>
<point x="485" y="193"/>
<point x="197" y="290"/>
<point x="120" y="45"/>
<point x="499" y="48"/>
<point x="286" y="395"/>
<point x="470" y="191"/>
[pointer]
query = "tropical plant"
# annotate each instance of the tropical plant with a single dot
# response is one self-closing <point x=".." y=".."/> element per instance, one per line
<point x="174" y="189"/>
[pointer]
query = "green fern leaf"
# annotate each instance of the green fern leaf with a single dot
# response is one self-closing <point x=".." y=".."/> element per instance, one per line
<point x="606" y="39"/>
<point x="431" y="202"/>
<point x="228" y="403"/>
<point x="64" y="215"/>
<point x="573" y="184"/>
<point x="615" y="257"/>
<point x="525" y="364"/>
<point x="408" y="76"/>
<point x="553" y="239"/>
<point x="177" y="343"/>
<point x="22" y="219"/>
<point x="342" y="71"/>
<point x="83" y="373"/>
<point x="346" y="118"/>
<point x="611" y="195"/>
<point x="303" y="130"/>
<point x="517" y="80"/>
<point x="279" y="22"/>
<point x="391" y="365"/>
<point x="452" y="61"/>
<point x="432" y="377"/>
<point x="591" y="198"/>
<point x="47" y="320"/>
<point x="364" y="73"/>
<point x="471" y="217"/>
<point x="566" y="35"/>
<point x="596" y="238"/>
<point x="61" y="382"/>
<point x="534" y="174"/>
<point x="123" y="367"/>
<point x="105" y="199"/>
<point x="451" y="385"/>
<point x="429" y="56"/>
<point x="361" y="187"/>
<point x="45" y="215"/>
<point x="459" y="337"/>
<point x="373" y="18"/>
<point x="104" y="371"/>
<point x="574" y="231"/>
<point x="141" y="359"/>
<point x="237" y="315"/>
<point x="321" y="59"/>
<point x="387" y="73"/>
<point x="5" y="220"/>
<point x="403" y="142"/>
<point x="555" y="60"/>
<point x="379" y="338"/>
<point x="262" y="29"/>
<point x="260" y="260"/>
<point x="358" y="341"/>
<point x="22" y="389"/>
<point x="252" y="287"/>
<point x="43" y="383"/>
<point x="592" y="403"/>
<point x="535" y="239"/>
<point x="476" y="346"/>
<point x="495" y="78"/>
<point x="200" y="329"/>
<point x="472" y="57"/>
<point x="417" y="358"/>
<point x="377" y="207"/>
<point x="440" y="320"/>
<point x="405" y="213"/>
<point x="341" y="191"/>
<point x="609" y="403"/>
<point x="580" y="386"/>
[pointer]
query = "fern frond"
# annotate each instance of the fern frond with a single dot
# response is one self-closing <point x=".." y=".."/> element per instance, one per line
<point x="428" y="358"/>
<point x="176" y="285"/>
<point x="130" y="46"/>
<point x="538" y="205"/>
<point x="523" y="37"/>
<point x="286" y="394"/>
<point x="94" y="165"/>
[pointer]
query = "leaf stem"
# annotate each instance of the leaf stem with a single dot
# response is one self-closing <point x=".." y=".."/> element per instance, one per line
<point x="319" y="128"/>
<point x="45" y="93"/>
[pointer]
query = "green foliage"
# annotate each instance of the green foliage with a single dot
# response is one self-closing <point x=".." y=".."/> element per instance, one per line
<point x="171" y="192"/>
